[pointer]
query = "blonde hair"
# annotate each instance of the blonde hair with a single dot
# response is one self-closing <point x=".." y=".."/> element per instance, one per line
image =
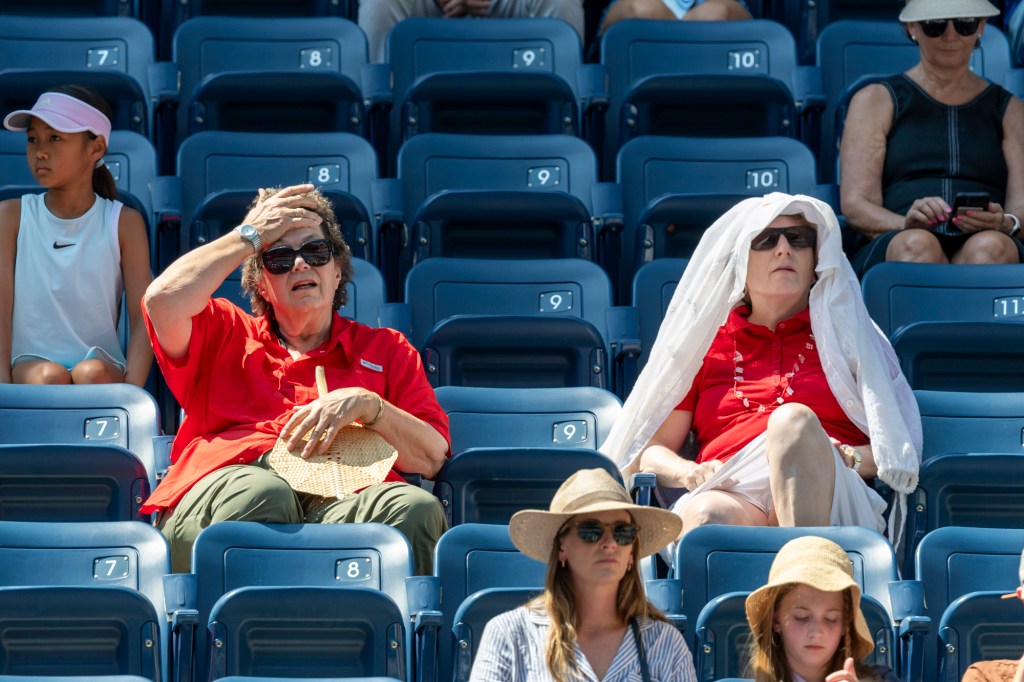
<point x="768" y="654"/>
<point x="559" y="602"/>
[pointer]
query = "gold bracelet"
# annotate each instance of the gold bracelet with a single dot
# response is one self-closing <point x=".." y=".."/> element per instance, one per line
<point x="380" y="412"/>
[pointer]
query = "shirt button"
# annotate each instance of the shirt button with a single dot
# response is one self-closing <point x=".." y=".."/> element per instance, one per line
<point x="241" y="460"/>
<point x="782" y="325"/>
<point x="849" y="403"/>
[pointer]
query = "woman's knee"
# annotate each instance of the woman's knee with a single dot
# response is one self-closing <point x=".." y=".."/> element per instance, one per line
<point x="792" y="418"/>
<point x="705" y="510"/>
<point x="987" y="248"/>
<point x="41" y="372"/>
<point x="94" y="371"/>
<point x="915" y="246"/>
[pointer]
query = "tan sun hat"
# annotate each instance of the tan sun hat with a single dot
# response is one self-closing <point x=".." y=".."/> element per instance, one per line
<point x="818" y="563"/>
<point x="928" y="10"/>
<point x="590" y="490"/>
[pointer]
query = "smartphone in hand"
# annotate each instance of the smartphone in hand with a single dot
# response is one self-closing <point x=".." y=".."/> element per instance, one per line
<point x="968" y="201"/>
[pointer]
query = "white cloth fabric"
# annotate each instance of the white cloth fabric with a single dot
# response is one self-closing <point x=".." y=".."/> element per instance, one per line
<point x="67" y="285"/>
<point x="513" y="648"/>
<point x="861" y="368"/>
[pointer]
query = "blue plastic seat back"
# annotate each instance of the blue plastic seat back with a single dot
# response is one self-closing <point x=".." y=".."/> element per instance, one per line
<point x="724" y="636"/>
<point x="714" y="560"/>
<point x="82" y="556"/>
<point x="71" y="483"/>
<point x="472" y="617"/>
<point x="577" y="417"/>
<point x="261" y="678"/>
<point x="365" y="293"/>
<point x="101" y="414"/>
<point x="515" y="76"/>
<point x="111" y="54"/>
<point x="674" y="56"/>
<point x="438" y="288"/>
<point x="489" y="485"/>
<point x="971" y="422"/>
<point x="978" y="489"/>
<point x="236" y="554"/>
<point x="899" y="294"/>
<point x="261" y="74"/>
<point x="307" y="631"/>
<point x="516" y="351"/>
<point x="473" y="557"/>
<point x="979" y="626"/>
<point x="852" y="53"/>
<point x="653" y="287"/>
<point x="73" y="8"/>
<point x="961" y="356"/>
<point x="220" y="173"/>
<point x="953" y="562"/>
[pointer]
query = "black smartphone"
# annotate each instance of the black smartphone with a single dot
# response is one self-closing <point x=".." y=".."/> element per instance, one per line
<point x="970" y="201"/>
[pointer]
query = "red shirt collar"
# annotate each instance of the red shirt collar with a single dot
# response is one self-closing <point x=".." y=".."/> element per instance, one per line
<point x="340" y="340"/>
<point x="739" y="320"/>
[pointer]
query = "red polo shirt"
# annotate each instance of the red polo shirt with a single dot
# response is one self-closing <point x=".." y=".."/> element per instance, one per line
<point x="722" y="423"/>
<point x="238" y="387"/>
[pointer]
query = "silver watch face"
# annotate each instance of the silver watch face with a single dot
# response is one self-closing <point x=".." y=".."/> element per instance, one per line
<point x="249" y="232"/>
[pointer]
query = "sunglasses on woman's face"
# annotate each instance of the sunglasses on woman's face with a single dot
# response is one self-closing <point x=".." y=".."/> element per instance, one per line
<point x="936" y="27"/>
<point x="281" y="259"/>
<point x="592" y="531"/>
<point x="797" y="237"/>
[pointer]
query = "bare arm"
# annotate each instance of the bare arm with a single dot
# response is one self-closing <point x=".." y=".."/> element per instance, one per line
<point x="661" y="456"/>
<point x="10" y="219"/>
<point x="861" y="160"/>
<point x="131" y="233"/>
<point x="184" y="288"/>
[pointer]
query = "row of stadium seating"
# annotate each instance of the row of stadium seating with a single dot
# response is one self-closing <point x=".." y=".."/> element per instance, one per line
<point x="340" y="600"/>
<point x="515" y="76"/>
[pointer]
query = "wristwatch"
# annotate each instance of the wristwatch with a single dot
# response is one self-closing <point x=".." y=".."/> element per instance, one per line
<point x="249" y="233"/>
<point x="854" y="456"/>
<point x="1015" y="227"/>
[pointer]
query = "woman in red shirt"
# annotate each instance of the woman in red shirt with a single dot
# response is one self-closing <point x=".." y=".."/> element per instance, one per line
<point x="795" y="386"/>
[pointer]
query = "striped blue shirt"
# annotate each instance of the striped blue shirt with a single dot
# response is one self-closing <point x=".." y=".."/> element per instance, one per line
<point x="514" y="648"/>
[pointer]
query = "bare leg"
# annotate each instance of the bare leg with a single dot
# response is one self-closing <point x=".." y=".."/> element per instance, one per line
<point x="717" y="10"/>
<point x="636" y="9"/>
<point x="40" y="372"/>
<point x="721" y="507"/>
<point x="801" y="467"/>
<point x="915" y="246"/>
<point x="95" y="371"/>
<point x="987" y="248"/>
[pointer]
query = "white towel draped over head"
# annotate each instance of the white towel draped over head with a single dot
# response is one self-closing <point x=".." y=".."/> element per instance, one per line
<point x="859" y="363"/>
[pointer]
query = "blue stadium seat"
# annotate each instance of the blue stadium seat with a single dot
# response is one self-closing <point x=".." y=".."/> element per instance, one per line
<point x="514" y="76"/>
<point x="675" y="188"/>
<point x="472" y="617"/>
<point x="961" y="356"/>
<point x="246" y="678"/>
<point x="262" y="74"/>
<point x="579" y="417"/>
<point x="72" y="8"/>
<point x="953" y="562"/>
<point x="49" y="482"/>
<point x="83" y="598"/>
<point x="971" y="422"/>
<point x="73" y="678"/>
<point x="114" y="55"/>
<point x="508" y="197"/>
<point x="237" y="556"/>
<point x="705" y="79"/>
<point x="490" y="484"/>
<point x="101" y="414"/>
<point x="723" y="636"/>
<point x="853" y="53"/>
<point x="715" y="560"/>
<point x="473" y="557"/>
<point x="976" y="627"/>
<point x="653" y="287"/>
<point x="220" y="173"/>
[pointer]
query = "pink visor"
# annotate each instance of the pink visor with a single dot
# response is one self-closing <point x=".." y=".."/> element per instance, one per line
<point x="63" y="113"/>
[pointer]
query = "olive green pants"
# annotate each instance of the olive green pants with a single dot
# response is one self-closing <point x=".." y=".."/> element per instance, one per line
<point x="244" y="492"/>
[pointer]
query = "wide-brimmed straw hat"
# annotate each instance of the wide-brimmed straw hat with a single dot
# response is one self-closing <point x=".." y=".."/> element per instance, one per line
<point x="818" y="563"/>
<point x="927" y="10"/>
<point x="533" y="531"/>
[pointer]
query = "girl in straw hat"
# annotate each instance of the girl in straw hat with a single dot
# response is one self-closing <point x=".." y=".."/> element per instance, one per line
<point x="806" y="622"/>
<point x="593" y="621"/>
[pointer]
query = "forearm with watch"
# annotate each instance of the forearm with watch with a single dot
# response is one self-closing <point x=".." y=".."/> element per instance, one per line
<point x="1011" y="223"/>
<point x="860" y="459"/>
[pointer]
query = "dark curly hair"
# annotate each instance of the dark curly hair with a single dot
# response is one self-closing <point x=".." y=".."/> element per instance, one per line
<point x="252" y="268"/>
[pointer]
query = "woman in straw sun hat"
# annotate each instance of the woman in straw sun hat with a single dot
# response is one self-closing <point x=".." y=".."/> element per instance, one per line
<point x="593" y="621"/>
<point x="806" y="622"/>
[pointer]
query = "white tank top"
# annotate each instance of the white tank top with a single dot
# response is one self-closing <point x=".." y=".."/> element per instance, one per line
<point x="67" y="285"/>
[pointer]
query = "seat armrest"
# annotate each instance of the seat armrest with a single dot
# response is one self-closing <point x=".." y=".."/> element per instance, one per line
<point x="376" y="85"/>
<point x="163" y="83"/>
<point x="397" y="316"/>
<point x="641" y="486"/>
<point x="180" y="604"/>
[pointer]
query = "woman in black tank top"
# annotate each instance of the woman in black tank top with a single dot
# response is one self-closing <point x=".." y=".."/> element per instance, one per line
<point x="915" y="140"/>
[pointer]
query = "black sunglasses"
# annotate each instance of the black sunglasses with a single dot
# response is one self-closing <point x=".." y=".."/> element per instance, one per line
<point x="936" y="27"/>
<point x="281" y="259"/>
<point x="592" y="531"/>
<point x="797" y="237"/>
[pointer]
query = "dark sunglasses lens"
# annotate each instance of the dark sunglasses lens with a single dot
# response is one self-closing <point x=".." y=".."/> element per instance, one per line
<point x="279" y="261"/>
<point x="801" y="237"/>
<point x="936" y="27"/>
<point x="624" y="533"/>
<point x="764" y="240"/>
<point x="966" y="27"/>
<point x="282" y="259"/>
<point x="590" y="532"/>
<point x="316" y="253"/>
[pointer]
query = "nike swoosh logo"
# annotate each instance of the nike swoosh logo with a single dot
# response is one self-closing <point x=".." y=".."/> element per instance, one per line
<point x="57" y="245"/>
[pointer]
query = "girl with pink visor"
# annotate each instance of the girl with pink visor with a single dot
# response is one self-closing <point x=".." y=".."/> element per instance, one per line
<point x="70" y="254"/>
